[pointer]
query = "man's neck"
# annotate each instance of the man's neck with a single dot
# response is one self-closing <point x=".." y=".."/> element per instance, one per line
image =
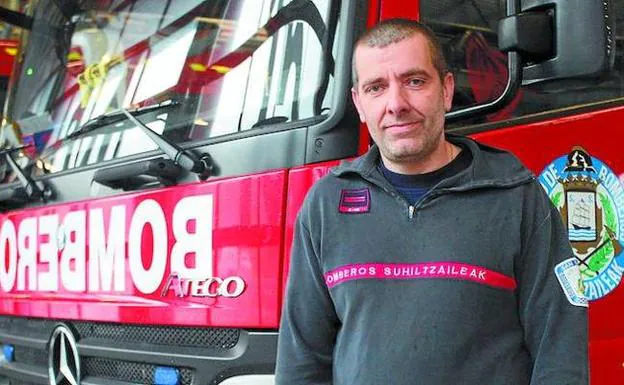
<point x="442" y="156"/>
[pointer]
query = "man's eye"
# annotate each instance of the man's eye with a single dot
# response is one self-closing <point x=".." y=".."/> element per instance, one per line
<point x="373" y="89"/>
<point x="415" y="82"/>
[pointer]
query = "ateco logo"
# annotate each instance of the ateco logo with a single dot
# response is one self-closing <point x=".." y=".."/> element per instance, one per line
<point x="63" y="359"/>
<point x="230" y="287"/>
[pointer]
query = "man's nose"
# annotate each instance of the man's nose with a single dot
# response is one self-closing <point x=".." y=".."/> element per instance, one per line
<point x="397" y="103"/>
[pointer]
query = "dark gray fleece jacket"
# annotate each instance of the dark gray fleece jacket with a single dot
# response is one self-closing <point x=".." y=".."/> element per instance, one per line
<point x="458" y="289"/>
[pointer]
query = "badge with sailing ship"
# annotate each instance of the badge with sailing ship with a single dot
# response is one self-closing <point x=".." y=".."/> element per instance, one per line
<point x="590" y="198"/>
<point x="582" y="212"/>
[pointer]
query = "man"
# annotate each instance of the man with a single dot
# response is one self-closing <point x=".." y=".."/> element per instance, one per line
<point x="431" y="259"/>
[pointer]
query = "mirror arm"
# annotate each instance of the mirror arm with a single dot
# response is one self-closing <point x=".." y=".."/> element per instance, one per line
<point x="514" y="80"/>
<point x="514" y="68"/>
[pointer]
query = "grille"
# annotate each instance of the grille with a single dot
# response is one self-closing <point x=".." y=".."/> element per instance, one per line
<point x="216" y="338"/>
<point x="31" y="356"/>
<point x="161" y="335"/>
<point x="99" y="367"/>
<point x="112" y="334"/>
<point x="127" y="371"/>
<point x="26" y="326"/>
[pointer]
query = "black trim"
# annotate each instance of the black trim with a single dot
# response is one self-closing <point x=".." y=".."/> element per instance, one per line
<point x="133" y="176"/>
<point x="327" y="64"/>
<point x="17" y="19"/>
<point x="337" y="137"/>
<point x="538" y="117"/>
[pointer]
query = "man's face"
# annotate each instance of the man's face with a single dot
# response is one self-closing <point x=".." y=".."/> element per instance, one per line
<point x="402" y="100"/>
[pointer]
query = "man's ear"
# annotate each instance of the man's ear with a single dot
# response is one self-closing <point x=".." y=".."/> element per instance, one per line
<point x="356" y="100"/>
<point x="448" y="87"/>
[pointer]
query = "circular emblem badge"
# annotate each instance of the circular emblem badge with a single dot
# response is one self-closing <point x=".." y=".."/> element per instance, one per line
<point x="63" y="358"/>
<point x="590" y="198"/>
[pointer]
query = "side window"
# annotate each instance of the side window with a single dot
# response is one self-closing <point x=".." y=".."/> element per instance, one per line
<point x="468" y="32"/>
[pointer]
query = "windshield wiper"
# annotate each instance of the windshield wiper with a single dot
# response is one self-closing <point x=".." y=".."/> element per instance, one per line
<point x="32" y="191"/>
<point x="201" y="165"/>
<point x="116" y="117"/>
<point x="186" y="159"/>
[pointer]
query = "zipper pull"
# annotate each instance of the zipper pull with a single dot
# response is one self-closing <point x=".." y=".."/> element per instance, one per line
<point x="410" y="212"/>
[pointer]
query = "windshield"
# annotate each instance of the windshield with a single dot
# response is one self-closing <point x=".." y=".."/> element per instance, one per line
<point x="230" y="66"/>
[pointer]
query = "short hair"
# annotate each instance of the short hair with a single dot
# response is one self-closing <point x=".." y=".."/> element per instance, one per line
<point x="392" y="31"/>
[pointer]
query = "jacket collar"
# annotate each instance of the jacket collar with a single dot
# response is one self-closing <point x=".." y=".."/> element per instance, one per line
<point x="490" y="167"/>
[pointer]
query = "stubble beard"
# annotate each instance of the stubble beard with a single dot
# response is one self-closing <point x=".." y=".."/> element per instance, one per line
<point x="417" y="151"/>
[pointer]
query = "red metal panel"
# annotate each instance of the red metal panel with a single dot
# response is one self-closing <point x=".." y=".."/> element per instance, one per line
<point x="373" y="12"/>
<point x="299" y="182"/>
<point x="400" y="8"/>
<point x="240" y="217"/>
<point x="537" y="145"/>
<point x="8" y="51"/>
<point x="373" y="18"/>
<point x="607" y="361"/>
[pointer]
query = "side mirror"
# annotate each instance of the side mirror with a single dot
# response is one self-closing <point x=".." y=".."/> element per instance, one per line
<point x="551" y="44"/>
<point x="561" y="41"/>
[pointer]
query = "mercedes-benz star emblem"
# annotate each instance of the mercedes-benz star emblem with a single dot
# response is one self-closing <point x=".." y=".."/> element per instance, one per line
<point x="63" y="360"/>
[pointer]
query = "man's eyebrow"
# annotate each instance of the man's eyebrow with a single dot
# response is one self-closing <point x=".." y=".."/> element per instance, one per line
<point x="415" y="72"/>
<point x="372" y="81"/>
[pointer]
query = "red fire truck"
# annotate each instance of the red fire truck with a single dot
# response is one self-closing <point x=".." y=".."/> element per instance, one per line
<point x="155" y="153"/>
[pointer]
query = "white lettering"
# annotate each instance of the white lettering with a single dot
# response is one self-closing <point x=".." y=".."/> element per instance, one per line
<point x="596" y="288"/>
<point x="147" y="279"/>
<point x="198" y="243"/>
<point x="609" y="181"/>
<point x="8" y="241"/>
<point x="186" y="286"/>
<point x="226" y="289"/>
<point x="613" y="277"/>
<point x="550" y="176"/>
<point x="107" y="260"/>
<point x="173" y="283"/>
<point x="27" y="249"/>
<point x="602" y="174"/>
<point x="48" y="253"/>
<point x="201" y="288"/>
<point x="215" y="287"/>
<point x="72" y="267"/>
